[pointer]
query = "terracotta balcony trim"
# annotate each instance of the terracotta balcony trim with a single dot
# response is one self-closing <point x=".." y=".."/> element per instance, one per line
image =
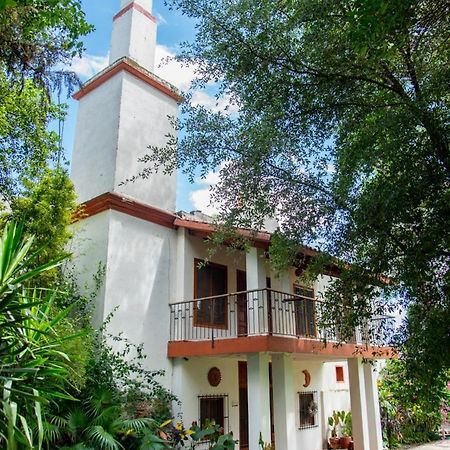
<point x="275" y="344"/>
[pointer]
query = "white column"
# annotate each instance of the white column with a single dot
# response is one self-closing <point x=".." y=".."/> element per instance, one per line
<point x="134" y="34"/>
<point x="256" y="302"/>
<point x="373" y="407"/>
<point x="177" y="385"/>
<point x="360" y="425"/>
<point x="256" y="268"/>
<point x="182" y="264"/>
<point x="258" y="399"/>
<point x="284" y="401"/>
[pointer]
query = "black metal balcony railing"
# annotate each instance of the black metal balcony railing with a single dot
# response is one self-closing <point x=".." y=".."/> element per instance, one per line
<point x="266" y="312"/>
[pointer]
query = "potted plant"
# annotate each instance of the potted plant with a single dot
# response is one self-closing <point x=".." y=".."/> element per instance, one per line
<point x="265" y="445"/>
<point x="333" y="422"/>
<point x="346" y="430"/>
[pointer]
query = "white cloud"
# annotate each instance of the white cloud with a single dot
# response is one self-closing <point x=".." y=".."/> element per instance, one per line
<point x="201" y="98"/>
<point x="171" y="70"/>
<point x="182" y="77"/>
<point x="210" y="179"/>
<point x="160" y="18"/>
<point x="88" y="65"/>
<point x="201" y="198"/>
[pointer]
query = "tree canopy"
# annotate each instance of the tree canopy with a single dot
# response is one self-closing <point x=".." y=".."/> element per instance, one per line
<point x="38" y="39"/>
<point x="338" y="124"/>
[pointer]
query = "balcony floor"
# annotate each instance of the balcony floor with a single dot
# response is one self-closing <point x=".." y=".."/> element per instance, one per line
<point x="274" y="344"/>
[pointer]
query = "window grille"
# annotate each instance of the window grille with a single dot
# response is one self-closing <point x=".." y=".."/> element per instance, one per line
<point x="214" y="407"/>
<point x="309" y="409"/>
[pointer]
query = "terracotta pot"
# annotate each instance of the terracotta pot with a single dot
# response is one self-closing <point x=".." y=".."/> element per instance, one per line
<point x="345" y="441"/>
<point x="334" y="442"/>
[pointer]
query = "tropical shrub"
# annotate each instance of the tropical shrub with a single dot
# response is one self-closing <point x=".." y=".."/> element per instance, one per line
<point x="34" y="370"/>
<point x="120" y="404"/>
<point x="410" y="412"/>
<point x="64" y="385"/>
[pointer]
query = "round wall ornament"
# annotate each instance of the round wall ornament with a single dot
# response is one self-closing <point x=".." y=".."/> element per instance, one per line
<point x="214" y="376"/>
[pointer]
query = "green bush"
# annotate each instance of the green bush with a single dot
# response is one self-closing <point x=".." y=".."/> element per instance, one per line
<point x="34" y="369"/>
<point x="410" y="411"/>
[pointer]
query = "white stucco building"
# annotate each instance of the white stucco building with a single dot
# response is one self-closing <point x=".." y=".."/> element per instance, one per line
<point x="254" y="361"/>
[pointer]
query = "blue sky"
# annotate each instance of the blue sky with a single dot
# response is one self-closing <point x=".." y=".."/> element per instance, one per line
<point x="173" y="28"/>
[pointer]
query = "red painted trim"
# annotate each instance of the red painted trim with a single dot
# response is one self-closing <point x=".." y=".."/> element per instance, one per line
<point x="125" y="64"/>
<point x="257" y="344"/>
<point x="125" y="205"/>
<point x="137" y="8"/>
<point x="340" y="377"/>
<point x="203" y="230"/>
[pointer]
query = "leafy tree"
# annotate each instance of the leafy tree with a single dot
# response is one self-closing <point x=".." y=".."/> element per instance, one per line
<point x="411" y="412"/>
<point x="338" y="123"/>
<point x="46" y="205"/>
<point x="26" y="144"/>
<point x="38" y="38"/>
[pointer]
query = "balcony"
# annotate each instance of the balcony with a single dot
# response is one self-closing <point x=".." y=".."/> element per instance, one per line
<point x="240" y="316"/>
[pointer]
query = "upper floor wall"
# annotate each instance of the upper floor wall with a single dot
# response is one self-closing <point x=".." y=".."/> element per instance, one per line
<point x="236" y="296"/>
<point x="192" y="251"/>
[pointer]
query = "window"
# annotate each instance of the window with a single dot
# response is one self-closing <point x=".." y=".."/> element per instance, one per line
<point x="339" y="374"/>
<point x="308" y="409"/>
<point x="305" y="320"/>
<point x="212" y="408"/>
<point x="209" y="281"/>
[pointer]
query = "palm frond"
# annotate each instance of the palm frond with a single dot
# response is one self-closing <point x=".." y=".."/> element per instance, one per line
<point x="107" y="415"/>
<point x="77" y="421"/>
<point x="136" y="425"/>
<point x="79" y="446"/>
<point x="103" y="440"/>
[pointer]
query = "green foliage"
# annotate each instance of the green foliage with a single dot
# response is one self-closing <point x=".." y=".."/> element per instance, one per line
<point x="34" y="369"/>
<point x="46" y="206"/>
<point x="36" y="36"/>
<point x="411" y="409"/>
<point x="346" y="422"/>
<point x="117" y="403"/>
<point x="43" y="345"/>
<point x="338" y="124"/>
<point x="20" y="433"/>
<point x="171" y="436"/>
<point x="332" y="425"/>
<point x="96" y="421"/>
<point x="340" y="423"/>
<point x="37" y="39"/>
<point x="25" y="143"/>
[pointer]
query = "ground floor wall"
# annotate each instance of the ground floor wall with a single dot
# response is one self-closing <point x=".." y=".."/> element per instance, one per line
<point x="312" y="380"/>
